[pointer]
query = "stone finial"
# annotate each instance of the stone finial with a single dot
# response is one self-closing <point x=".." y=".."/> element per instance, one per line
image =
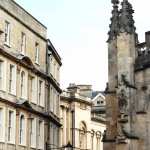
<point x="115" y="2"/>
<point x="114" y="25"/>
<point x="126" y="21"/>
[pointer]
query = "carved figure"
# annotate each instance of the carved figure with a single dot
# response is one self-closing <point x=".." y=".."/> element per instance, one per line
<point x="122" y="101"/>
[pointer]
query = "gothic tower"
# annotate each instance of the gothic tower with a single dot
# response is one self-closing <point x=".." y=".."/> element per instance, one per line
<point x="121" y="90"/>
<point x="126" y="90"/>
<point x="111" y="97"/>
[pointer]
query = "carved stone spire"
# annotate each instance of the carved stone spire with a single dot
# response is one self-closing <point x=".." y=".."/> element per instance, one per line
<point x="114" y="26"/>
<point x="126" y="21"/>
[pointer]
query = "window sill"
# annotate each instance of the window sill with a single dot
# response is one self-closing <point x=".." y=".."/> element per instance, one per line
<point x="41" y="106"/>
<point x="23" y="145"/>
<point x="2" y="141"/>
<point x="37" y="63"/>
<point x="7" y="45"/>
<point x="12" y="94"/>
<point x="2" y="90"/>
<point x="22" y="53"/>
<point x="40" y="148"/>
<point x="11" y="143"/>
<point x="34" y="103"/>
<point x="34" y="147"/>
<point x="23" y="98"/>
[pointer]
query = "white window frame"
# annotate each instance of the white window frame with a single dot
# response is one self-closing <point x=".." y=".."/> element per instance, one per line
<point x="41" y="93"/>
<point x="7" y="33"/>
<point x="2" y="74"/>
<point x="23" y="84"/>
<point x="23" y="43"/>
<point x="41" y="134"/>
<point x="12" y="79"/>
<point x="2" y="124"/>
<point x="11" y="136"/>
<point x="33" y="88"/>
<point x="22" y="130"/>
<point x="51" y="99"/>
<point x="58" y="73"/>
<point x="37" y="53"/>
<point x="51" y="65"/>
<point x="33" y="133"/>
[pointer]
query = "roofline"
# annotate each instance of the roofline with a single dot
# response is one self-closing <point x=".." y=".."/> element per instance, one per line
<point x="99" y="94"/>
<point x="54" y="51"/>
<point x="29" y="14"/>
<point x="70" y="99"/>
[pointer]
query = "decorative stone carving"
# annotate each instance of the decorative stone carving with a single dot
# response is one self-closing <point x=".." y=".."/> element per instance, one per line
<point x="122" y="97"/>
<point x="114" y="26"/>
<point x="122" y="101"/>
<point x="121" y="137"/>
<point x="126" y="22"/>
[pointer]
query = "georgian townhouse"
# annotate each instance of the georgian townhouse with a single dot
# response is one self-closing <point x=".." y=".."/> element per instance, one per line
<point x="29" y="82"/>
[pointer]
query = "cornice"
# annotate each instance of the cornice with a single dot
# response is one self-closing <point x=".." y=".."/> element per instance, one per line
<point x="29" y="65"/>
<point x="54" y="52"/>
<point x="74" y="99"/>
<point x="23" y="23"/>
<point x="49" y="116"/>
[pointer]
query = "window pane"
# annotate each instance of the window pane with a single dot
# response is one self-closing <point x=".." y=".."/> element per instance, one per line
<point x="7" y="33"/>
<point x="1" y="127"/>
<point x="22" y="129"/>
<point x="12" y="79"/>
<point x="10" y="125"/>
<point x="23" y="43"/>
<point x="37" y="53"/>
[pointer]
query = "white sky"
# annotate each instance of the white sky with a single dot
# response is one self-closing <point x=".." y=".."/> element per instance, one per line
<point x="78" y="29"/>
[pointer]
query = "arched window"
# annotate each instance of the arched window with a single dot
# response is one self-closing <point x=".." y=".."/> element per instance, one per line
<point x="22" y="84"/>
<point x="22" y="130"/>
<point x="83" y="135"/>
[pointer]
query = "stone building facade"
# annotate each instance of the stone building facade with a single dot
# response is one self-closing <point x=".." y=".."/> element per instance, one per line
<point x="81" y="127"/>
<point x="29" y="82"/>
<point x="127" y="92"/>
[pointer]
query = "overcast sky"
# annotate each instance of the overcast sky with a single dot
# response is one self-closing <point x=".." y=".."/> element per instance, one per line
<point x="78" y="29"/>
